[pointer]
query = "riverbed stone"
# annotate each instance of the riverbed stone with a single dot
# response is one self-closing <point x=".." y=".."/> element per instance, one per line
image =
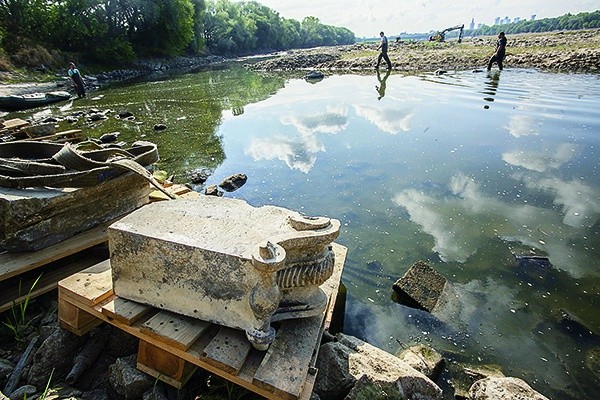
<point x="129" y="382"/>
<point x="422" y="287"/>
<point x="506" y="388"/>
<point x="23" y="392"/>
<point x="424" y="359"/>
<point x="224" y="261"/>
<point x="348" y="359"/>
<point x="35" y="218"/>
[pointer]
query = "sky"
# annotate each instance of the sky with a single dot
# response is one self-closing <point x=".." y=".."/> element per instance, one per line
<point x="366" y="18"/>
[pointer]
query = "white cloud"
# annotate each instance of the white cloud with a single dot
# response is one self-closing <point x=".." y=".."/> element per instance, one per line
<point x="541" y="161"/>
<point x="522" y="125"/>
<point x="389" y="120"/>
<point x="468" y="219"/>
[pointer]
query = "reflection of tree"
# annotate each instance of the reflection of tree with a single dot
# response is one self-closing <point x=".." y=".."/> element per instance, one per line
<point x="191" y="106"/>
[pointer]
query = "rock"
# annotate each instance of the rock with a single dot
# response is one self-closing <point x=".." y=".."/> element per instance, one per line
<point x="125" y="115"/>
<point x="199" y="175"/>
<point x="156" y="392"/>
<point x="213" y="190"/>
<point x="109" y="137"/>
<point x="6" y="368"/>
<point x="97" y="117"/>
<point x="159" y="127"/>
<point x="233" y="182"/>
<point x="367" y="388"/>
<point x="421" y="287"/>
<point x="349" y="359"/>
<point x="334" y="380"/>
<point x="23" y="392"/>
<point x="55" y="354"/>
<point x="592" y="361"/>
<point x="503" y="389"/>
<point x="129" y="382"/>
<point x="464" y="376"/>
<point x="98" y="394"/>
<point x="424" y="359"/>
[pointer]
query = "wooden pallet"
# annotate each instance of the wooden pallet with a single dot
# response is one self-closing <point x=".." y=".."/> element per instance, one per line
<point x="172" y="346"/>
<point x="19" y="271"/>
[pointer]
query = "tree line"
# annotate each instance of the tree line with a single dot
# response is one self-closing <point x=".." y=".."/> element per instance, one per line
<point x="119" y="31"/>
<point x="584" y="20"/>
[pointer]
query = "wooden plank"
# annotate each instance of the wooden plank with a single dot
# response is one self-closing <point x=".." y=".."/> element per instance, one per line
<point x="284" y="369"/>
<point x="125" y="311"/>
<point x="76" y="320"/>
<point x="14" y="123"/>
<point x="72" y="133"/>
<point x="90" y="286"/>
<point x="46" y="278"/>
<point x="12" y="264"/>
<point x="174" y="330"/>
<point x="164" y="365"/>
<point x="228" y="350"/>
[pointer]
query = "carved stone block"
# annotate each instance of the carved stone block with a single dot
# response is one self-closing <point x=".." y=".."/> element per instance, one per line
<point x="34" y="218"/>
<point x="224" y="261"/>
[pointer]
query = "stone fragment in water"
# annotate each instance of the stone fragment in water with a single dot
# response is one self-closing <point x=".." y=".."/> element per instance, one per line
<point x="233" y="182"/>
<point x="224" y="261"/>
<point x="420" y="287"/>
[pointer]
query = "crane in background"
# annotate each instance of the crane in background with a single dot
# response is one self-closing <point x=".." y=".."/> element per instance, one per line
<point x="441" y="36"/>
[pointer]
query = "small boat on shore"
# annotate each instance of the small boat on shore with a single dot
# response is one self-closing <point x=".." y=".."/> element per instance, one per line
<point x="16" y="102"/>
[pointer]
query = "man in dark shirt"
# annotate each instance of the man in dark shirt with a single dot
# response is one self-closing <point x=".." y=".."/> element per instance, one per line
<point x="499" y="53"/>
<point x="384" y="47"/>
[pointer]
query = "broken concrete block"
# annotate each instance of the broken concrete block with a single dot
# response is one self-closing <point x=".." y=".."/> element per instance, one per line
<point x="421" y="287"/>
<point x="224" y="261"/>
<point x="34" y="218"/>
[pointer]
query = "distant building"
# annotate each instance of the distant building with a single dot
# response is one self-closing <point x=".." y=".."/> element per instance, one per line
<point x="497" y="21"/>
<point x="533" y="17"/>
<point x="472" y="26"/>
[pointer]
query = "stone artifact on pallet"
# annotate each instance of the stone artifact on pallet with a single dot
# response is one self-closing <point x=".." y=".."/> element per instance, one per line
<point x="50" y="192"/>
<point x="224" y="261"/>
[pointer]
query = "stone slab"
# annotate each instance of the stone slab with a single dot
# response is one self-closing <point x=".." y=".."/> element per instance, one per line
<point x="35" y="218"/>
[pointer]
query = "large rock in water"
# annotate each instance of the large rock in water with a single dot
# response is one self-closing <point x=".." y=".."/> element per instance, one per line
<point x="34" y="218"/>
<point x="503" y="389"/>
<point x="353" y="368"/>
<point x="424" y="288"/>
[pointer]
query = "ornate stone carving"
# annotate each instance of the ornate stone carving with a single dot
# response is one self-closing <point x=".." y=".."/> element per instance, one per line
<point x="224" y="261"/>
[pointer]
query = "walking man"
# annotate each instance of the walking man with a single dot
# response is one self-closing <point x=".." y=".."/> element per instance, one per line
<point x="384" y="47"/>
<point x="499" y="53"/>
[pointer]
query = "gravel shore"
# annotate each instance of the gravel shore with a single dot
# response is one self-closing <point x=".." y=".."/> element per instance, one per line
<point x="568" y="51"/>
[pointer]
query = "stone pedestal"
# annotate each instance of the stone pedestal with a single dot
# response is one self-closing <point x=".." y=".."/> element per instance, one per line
<point x="34" y="218"/>
<point x="224" y="261"/>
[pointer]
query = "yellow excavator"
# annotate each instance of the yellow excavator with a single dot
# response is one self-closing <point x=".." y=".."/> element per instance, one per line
<point x="441" y="36"/>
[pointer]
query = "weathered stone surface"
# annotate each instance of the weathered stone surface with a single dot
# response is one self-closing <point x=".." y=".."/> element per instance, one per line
<point x="368" y="388"/>
<point x="420" y="287"/>
<point x="424" y="359"/>
<point x="224" y="261"/>
<point x="503" y="389"/>
<point x="23" y="392"/>
<point x="352" y="359"/>
<point x="233" y="182"/>
<point x="35" y="218"/>
<point x="464" y="376"/>
<point x="129" y="382"/>
<point x="55" y="354"/>
<point x="6" y="368"/>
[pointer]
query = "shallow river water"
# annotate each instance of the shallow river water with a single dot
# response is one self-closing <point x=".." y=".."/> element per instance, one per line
<point x="462" y="170"/>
